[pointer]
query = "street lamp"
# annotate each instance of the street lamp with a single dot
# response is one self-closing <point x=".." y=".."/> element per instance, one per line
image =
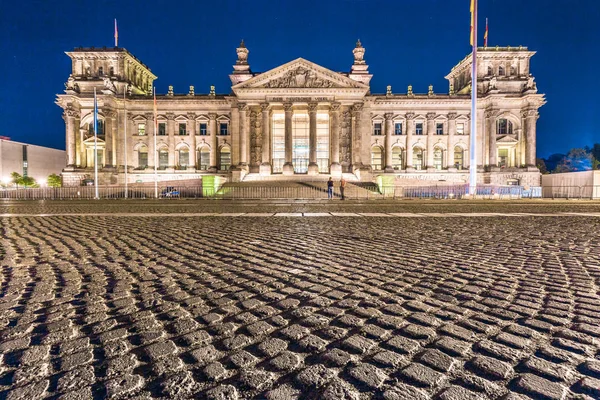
<point x="42" y="182"/>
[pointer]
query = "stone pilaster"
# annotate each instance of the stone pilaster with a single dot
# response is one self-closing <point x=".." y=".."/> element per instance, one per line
<point x="171" y="133"/>
<point x="449" y="163"/>
<point x="336" y="168"/>
<point x="108" y="136"/>
<point x="430" y="126"/>
<point x="288" y="167"/>
<point x="243" y="110"/>
<point x="389" y="127"/>
<point x="265" y="166"/>
<point x="191" y="128"/>
<point x="530" y="116"/>
<point x="151" y="132"/>
<point x="410" y="127"/>
<point x="214" y="141"/>
<point x="70" y="114"/>
<point x="313" y="167"/>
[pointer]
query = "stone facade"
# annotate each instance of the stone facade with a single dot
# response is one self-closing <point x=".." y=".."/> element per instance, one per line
<point x="301" y="119"/>
<point x="29" y="160"/>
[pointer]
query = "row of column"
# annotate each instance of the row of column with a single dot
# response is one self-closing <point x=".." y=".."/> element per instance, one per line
<point x="288" y="168"/>
<point x="529" y="117"/>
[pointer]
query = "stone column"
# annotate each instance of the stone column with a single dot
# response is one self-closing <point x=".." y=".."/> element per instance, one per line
<point x="82" y="149"/>
<point x="70" y="114"/>
<point x="214" y="141"/>
<point x="490" y="119"/>
<point x="288" y="167"/>
<point x="313" y="167"/>
<point x="114" y="134"/>
<point x="410" y="126"/>
<point x="389" y="127"/>
<point x="171" y="133"/>
<point x="265" y="166"/>
<point x="243" y="109"/>
<point x="191" y="128"/>
<point x="450" y="145"/>
<point x="336" y="167"/>
<point x="530" y="117"/>
<point x="430" y="132"/>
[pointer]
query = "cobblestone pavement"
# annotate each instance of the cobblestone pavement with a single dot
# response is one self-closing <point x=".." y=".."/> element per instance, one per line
<point x="309" y="308"/>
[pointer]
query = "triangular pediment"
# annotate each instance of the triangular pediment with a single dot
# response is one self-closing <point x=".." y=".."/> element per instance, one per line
<point x="300" y="74"/>
<point x="509" y="139"/>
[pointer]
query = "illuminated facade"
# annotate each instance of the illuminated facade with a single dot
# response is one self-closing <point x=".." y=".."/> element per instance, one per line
<point x="301" y="120"/>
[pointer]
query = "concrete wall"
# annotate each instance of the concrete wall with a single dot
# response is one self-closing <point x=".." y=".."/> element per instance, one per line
<point x="41" y="161"/>
<point x="584" y="184"/>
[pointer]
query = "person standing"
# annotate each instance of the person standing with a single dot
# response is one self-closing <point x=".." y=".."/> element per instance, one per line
<point x="342" y="187"/>
<point x="330" y="189"/>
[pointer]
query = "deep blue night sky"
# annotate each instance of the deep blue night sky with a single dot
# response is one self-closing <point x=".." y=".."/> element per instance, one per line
<point x="193" y="43"/>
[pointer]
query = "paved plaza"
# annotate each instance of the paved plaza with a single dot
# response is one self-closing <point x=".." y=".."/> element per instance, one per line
<point x="323" y="300"/>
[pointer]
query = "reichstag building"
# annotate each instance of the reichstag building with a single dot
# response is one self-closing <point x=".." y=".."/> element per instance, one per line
<point x="300" y="121"/>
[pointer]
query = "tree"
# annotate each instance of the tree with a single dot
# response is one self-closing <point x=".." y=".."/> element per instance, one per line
<point x="54" y="181"/>
<point x="541" y="164"/>
<point x="25" y="181"/>
<point x="596" y="156"/>
<point x="577" y="159"/>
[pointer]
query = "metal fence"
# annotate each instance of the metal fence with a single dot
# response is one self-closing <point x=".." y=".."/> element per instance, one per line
<point x="304" y="190"/>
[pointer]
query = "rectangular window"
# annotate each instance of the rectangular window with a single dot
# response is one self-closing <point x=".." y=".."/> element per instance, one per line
<point x="419" y="128"/>
<point x="223" y="129"/>
<point x="141" y="129"/>
<point x="203" y="129"/>
<point x="182" y="131"/>
<point x="162" y="129"/>
<point x="398" y="128"/>
<point x="439" y="129"/>
<point x="460" y="129"/>
<point x="377" y="129"/>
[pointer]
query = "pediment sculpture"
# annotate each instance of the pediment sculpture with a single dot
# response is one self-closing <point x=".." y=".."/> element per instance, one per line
<point x="300" y="77"/>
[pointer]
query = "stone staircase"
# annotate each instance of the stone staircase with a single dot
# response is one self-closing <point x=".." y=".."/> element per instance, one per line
<point x="297" y="189"/>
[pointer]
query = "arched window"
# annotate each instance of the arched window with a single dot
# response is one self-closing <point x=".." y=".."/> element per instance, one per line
<point x="376" y="158"/>
<point x="397" y="161"/>
<point x="458" y="157"/>
<point x="417" y="158"/>
<point x="225" y="158"/>
<point x="90" y="128"/>
<point x="163" y="158"/>
<point x="490" y="70"/>
<point x="100" y="71"/>
<point x="513" y="70"/>
<point x="203" y="158"/>
<point x="504" y="127"/>
<point x="183" y="157"/>
<point x="438" y="156"/>
<point x="501" y="70"/>
<point x="142" y="161"/>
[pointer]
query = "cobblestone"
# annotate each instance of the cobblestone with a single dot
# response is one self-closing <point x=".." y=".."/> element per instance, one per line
<point x="171" y="304"/>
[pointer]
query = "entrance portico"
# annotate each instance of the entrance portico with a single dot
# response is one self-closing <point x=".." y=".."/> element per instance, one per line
<point x="299" y="126"/>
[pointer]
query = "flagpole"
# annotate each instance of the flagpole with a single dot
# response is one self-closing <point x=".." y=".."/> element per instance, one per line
<point x="96" y="145"/>
<point x="473" y="144"/>
<point x="116" y="34"/>
<point x="125" y="135"/>
<point x="155" y="150"/>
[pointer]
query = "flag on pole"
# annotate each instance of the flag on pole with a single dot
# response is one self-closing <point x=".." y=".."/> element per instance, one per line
<point x="116" y="34"/>
<point x="472" y="19"/>
<point x="156" y="154"/>
<point x="485" y="36"/>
